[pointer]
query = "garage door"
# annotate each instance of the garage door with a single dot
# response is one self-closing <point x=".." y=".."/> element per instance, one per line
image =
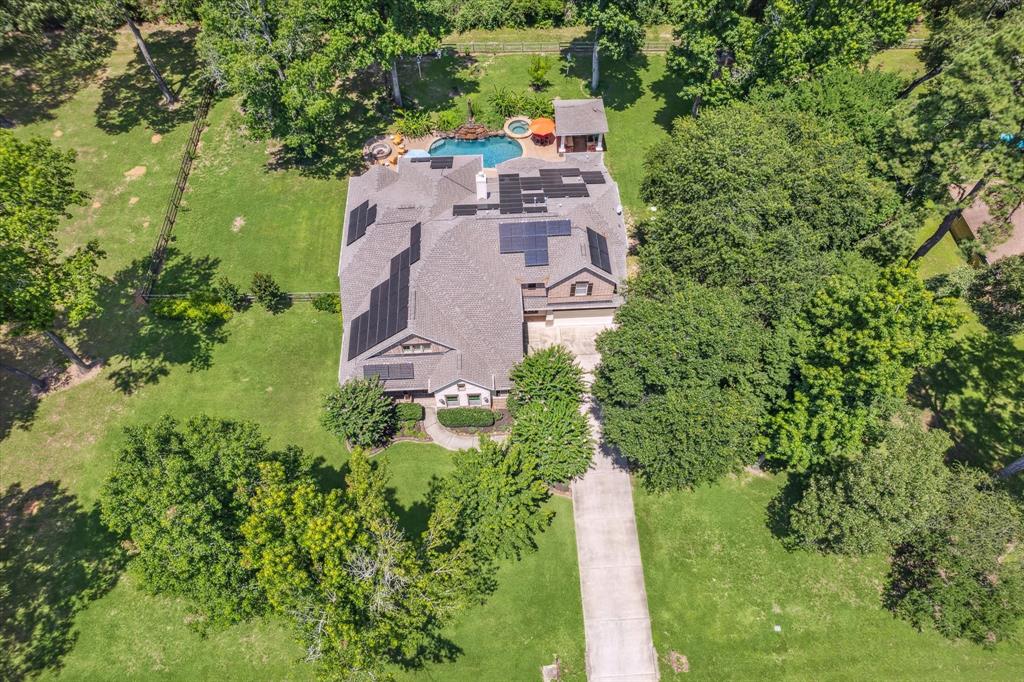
<point x="602" y="317"/>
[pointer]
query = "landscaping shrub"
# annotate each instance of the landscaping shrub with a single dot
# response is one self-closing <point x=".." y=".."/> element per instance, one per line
<point x="413" y="123"/>
<point x="449" y="119"/>
<point x="266" y="291"/>
<point x="359" y="412"/>
<point x="327" y="303"/>
<point x="409" y="412"/>
<point x="455" y="417"/>
<point x="201" y="308"/>
<point x="546" y="376"/>
<point x="538" y="71"/>
<point x="229" y="292"/>
<point x="536" y="105"/>
<point x="557" y="435"/>
<point x="506" y="102"/>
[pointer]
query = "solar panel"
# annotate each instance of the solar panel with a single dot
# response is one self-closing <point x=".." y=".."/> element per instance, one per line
<point x="401" y="370"/>
<point x="464" y="210"/>
<point x="441" y="162"/>
<point x="536" y="256"/>
<point x="420" y="159"/>
<point x="593" y="177"/>
<point x="388" y="312"/>
<point x="535" y="209"/>
<point x="559" y="228"/>
<point x="599" y="250"/>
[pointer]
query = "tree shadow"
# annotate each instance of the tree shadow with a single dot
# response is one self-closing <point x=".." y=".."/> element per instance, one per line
<point x="140" y="347"/>
<point x="55" y="558"/>
<point x="132" y="98"/>
<point x="621" y="85"/>
<point x="445" y="78"/>
<point x="977" y="394"/>
<point x="18" y="402"/>
<point x="414" y="518"/>
<point x="668" y="90"/>
<point x="37" y="78"/>
<point x="777" y="512"/>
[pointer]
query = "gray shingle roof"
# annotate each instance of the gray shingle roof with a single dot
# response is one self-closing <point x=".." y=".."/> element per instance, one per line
<point x="463" y="293"/>
<point x="580" y="117"/>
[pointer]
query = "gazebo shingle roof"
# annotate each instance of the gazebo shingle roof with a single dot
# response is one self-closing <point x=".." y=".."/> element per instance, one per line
<point x="580" y="117"/>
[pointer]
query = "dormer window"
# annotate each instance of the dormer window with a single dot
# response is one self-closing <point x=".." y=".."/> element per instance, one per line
<point x="415" y="348"/>
<point x="581" y="289"/>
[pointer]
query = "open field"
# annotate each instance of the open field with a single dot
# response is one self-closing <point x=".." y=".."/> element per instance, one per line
<point x="718" y="582"/>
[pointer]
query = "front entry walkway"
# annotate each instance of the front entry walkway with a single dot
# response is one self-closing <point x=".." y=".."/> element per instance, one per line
<point x="615" y="615"/>
<point x="449" y="439"/>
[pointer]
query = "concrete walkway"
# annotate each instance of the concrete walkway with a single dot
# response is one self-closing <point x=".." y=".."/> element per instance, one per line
<point x="449" y="439"/>
<point x="615" y="616"/>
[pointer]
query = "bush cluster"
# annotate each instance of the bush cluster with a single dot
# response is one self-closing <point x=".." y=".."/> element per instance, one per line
<point x="409" y="412"/>
<point x="359" y="412"/>
<point x="327" y="303"/>
<point x="455" y="417"/>
<point x="507" y="102"/>
<point x="228" y="291"/>
<point x="200" y="308"/>
<point x="266" y="291"/>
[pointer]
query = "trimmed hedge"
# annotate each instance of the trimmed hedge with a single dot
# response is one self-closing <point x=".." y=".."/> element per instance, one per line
<point x="409" y="412"/>
<point x="454" y="417"/>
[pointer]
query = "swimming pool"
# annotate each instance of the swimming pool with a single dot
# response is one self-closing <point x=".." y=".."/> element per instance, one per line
<point x="493" y="149"/>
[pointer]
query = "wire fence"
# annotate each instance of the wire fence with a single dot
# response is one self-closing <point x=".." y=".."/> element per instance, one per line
<point x="156" y="261"/>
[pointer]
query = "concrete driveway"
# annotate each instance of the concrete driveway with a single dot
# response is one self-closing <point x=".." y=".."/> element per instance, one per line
<point x="578" y="338"/>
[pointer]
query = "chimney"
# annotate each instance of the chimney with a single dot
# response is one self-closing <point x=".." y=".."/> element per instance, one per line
<point x="481" y="185"/>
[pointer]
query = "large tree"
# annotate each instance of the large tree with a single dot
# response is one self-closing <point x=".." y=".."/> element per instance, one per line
<point x="763" y="198"/>
<point x="680" y="384"/>
<point x="867" y="332"/>
<point x="963" y="574"/>
<point x="38" y="283"/>
<point x="997" y="295"/>
<point x="180" y="494"/>
<point x="547" y="376"/>
<point x="617" y="28"/>
<point x="966" y="127"/>
<point x="725" y="48"/>
<point x="877" y="498"/>
<point x="363" y="595"/>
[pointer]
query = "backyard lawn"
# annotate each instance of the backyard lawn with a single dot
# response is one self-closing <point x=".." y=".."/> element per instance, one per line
<point x="718" y="583"/>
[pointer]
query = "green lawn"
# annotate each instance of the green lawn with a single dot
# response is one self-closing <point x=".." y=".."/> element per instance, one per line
<point x="718" y="583"/>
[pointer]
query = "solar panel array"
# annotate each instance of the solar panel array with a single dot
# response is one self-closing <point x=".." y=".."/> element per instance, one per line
<point x="599" y="250"/>
<point x="401" y="370"/>
<point x="360" y="218"/>
<point x="524" y="195"/>
<point x="531" y="239"/>
<point x="436" y="162"/>
<point x="388" y="313"/>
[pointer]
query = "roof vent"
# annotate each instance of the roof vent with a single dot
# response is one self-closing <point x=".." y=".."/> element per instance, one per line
<point x="481" y="185"/>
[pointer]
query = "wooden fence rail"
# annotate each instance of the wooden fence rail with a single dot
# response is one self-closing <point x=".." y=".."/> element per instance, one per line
<point x="156" y="261"/>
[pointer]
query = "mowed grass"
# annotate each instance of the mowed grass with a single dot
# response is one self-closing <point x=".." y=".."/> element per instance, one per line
<point x="248" y="216"/>
<point x="718" y="583"/>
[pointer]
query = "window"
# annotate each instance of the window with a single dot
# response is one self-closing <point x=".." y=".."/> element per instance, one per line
<point x="451" y="400"/>
<point x="461" y="387"/>
<point x="415" y="348"/>
<point x="581" y="289"/>
<point x="474" y="398"/>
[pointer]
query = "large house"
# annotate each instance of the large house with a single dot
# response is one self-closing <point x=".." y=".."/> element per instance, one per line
<point x="445" y="266"/>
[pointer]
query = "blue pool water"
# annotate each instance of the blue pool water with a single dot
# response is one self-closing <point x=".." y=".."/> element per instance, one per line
<point x="493" y="149"/>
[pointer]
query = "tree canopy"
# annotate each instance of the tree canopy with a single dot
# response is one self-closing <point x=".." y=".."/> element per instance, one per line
<point x="725" y="48"/>
<point x="179" y="493"/>
<point x="997" y="295"/>
<point x="964" y="574"/>
<point x="680" y="384"/>
<point x="878" y="498"/>
<point x="359" y="412"/>
<point x="868" y="332"/>
<point x="547" y="376"/>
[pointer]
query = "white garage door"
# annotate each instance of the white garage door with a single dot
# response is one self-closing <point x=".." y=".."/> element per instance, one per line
<point x="598" y="317"/>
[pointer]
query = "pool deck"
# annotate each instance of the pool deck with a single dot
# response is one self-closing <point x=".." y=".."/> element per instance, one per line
<point x="548" y="152"/>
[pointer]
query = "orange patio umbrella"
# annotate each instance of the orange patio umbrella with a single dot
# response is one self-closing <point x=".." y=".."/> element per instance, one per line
<point x="542" y="127"/>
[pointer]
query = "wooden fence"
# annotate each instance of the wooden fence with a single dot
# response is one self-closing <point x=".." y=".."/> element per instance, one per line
<point x="579" y="47"/>
<point x="293" y="296"/>
<point x="156" y="261"/>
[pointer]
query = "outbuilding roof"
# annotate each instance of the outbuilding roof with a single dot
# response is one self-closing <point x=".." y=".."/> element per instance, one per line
<point x="580" y="117"/>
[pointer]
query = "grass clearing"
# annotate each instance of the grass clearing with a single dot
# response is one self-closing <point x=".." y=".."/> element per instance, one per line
<point x="718" y="583"/>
